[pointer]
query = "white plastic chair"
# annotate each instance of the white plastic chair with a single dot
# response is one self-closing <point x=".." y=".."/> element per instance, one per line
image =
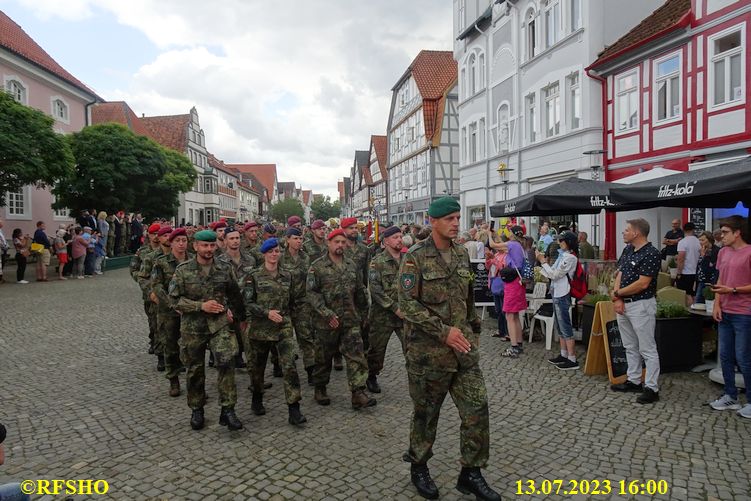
<point x="549" y="322"/>
<point x="536" y="300"/>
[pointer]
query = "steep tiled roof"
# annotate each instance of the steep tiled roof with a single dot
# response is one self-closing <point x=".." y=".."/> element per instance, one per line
<point x="378" y="143"/>
<point x="170" y="131"/>
<point x="286" y="187"/>
<point x="17" y="41"/>
<point x="118" y="112"/>
<point x="307" y="196"/>
<point x="671" y="15"/>
<point x="265" y="173"/>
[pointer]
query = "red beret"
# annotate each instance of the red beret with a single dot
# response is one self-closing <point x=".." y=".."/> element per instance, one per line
<point x="317" y="224"/>
<point x="250" y="226"/>
<point x="336" y="233"/>
<point x="348" y="221"/>
<point x="293" y="220"/>
<point x="154" y="228"/>
<point x="163" y="231"/>
<point x="220" y="224"/>
<point x="178" y="232"/>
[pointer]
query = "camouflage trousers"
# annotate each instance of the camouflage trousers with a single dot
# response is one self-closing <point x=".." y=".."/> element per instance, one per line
<point x="428" y="389"/>
<point x="150" y="308"/>
<point x="257" y="353"/>
<point x="223" y="344"/>
<point x="167" y="341"/>
<point x="305" y="338"/>
<point x="347" y="341"/>
<point x="379" y="336"/>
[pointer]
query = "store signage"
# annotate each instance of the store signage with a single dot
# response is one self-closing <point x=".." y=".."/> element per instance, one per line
<point x="677" y="190"/>
<point x="508" y="208"/>
<point x="596" y="201"/>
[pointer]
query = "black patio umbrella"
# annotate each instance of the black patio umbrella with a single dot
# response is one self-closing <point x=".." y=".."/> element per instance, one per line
<point x="570" y="196"/>
<point x="721" y="186"/>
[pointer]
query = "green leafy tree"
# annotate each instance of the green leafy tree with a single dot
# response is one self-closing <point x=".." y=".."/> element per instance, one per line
<point x="322" y="208"/>
<point x="31" y="152"/>
<point x="283" y="209"/>
<point x="117" y="169"/>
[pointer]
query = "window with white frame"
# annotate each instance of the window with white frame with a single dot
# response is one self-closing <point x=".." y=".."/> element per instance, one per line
<point x="473" y="142"/>
<point x="16" y="203"/>
<point x="463" y="87"/>
<point x="503" y="128"/>
<point x="531" y="35"/>
<point x="575" y="101"/>
<point x="465" y="145"/>
<point x="727" y="67"/>
<point x="627" y="101"/>
<point x="481" y="71"/>
<point x="472" y="74"/>
<point x="552" y="95"/>
<point x="552" y="13"/>
<point x="57" y="214"/>
<point x="667" y="76"/>
<point x="60" y="110"/>
<point x="17" y="90"/>
<point x="531" y="118"/>
<point x="483" y="134"/>
<point x="575" y="12"/>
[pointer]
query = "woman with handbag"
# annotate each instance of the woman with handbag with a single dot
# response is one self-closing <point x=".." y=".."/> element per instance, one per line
<point x="21" y="244"/>
<point x="514" y="291"/>
<point x="494" y="265"/>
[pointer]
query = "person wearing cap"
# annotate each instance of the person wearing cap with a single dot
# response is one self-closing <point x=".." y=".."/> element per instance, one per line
<point x="269" y="230"/>
<point x="360" y="254"/>
<point x="560" y="273"/>
<point x="338" y="298"/>
<point x="205" y="292"/>
<point x="144" y="282"/>
<point x="294" y="222"/>
<point x="250" y="242"/>
<point x="297" y="264"/>
<point x="270" y="294"/>
<point x="167" y="319"/>
<point x="385" y="316"/>
<point x="151" y="245"/>
<point x="243" y="263"/>
<point x="442" y="336"/>
<point x="315" y="246"/>
<point x="219" y="228"/>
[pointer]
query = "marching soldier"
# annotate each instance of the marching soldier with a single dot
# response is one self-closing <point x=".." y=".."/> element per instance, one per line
<point x="385" y="316"/>
<point x="151" y="244"/>
<point x="315" y="246"/>
<point x="168" y="321"/>
<point x="360" y="254"/>
<point x="251" y="243"/>
<point x="144" y="281"/>
<point x="269" y="294"/>
<point x="337" y="295"/>
<point x="297" y="264"/>
<point x="219" y="228"/>
<point x="442" y="335"/>
<point x="205" y="292"/>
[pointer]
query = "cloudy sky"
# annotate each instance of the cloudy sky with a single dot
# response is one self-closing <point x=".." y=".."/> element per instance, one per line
<point x="298" y="83"/>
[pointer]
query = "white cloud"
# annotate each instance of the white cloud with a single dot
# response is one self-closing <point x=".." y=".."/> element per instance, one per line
<point x="300" y="84"/>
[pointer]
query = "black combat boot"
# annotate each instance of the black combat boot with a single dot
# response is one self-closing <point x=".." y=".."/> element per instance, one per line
<point x="423" y="482"/>
<point x="295" y="416"/>
<point x="360" y="400"/>
<point x="338" y="362"/>
<point x="256" y="404"/>
<point x="321" y="397"/>
<point x="160" y="363"/>
<point x="471" y="481"/>
<point x="278" y="370"/>
<point x="228" y="418"/>
<point x="211" y="359"/>
<point x="309" y="370"/>
<point x="372" y="384"/>
<point x="174" y="387"/>
<point x="196" y="419"/>
<point x="151" y="348"/>
<point x="239" y="362"/>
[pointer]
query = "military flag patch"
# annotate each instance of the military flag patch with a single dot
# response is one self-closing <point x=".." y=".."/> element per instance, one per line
<point x="408" y="281"/>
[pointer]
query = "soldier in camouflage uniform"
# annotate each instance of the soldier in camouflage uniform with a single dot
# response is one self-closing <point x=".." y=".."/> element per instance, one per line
<point x="144" y="282"/>
<point x="442" y="336"/>
<point x="338" y="299"/>
<point x="251" y="244"/>
<point x="151" y="244"/>
<point x="385" y="316"/>
<point x="297" y="263"/>
<point x="205" y="292"/>
<point x="111" y="236"/>
<point x="243" y="263"/>
<point x="360" y="254"/>
<point x="219" y="228"/>
<point x="270" y="295"/>
<point x="168" y="321"/>
<point x="315" y="246"/>
<point x="125" y="240"/>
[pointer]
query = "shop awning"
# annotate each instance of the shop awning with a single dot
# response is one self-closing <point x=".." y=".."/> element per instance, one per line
<point x="570" y="196"/>
<point x="721" y="186"/>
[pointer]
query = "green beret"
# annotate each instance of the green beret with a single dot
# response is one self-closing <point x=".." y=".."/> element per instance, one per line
<point x="205" y="236"/>
<point x="443" y="207"/>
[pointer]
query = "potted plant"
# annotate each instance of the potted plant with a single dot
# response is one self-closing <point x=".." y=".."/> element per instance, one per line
<point x="678" y="336"/>
<point x="673" y="267"/>
<point x="588" y="314"/>
<point x="708" y="298"/>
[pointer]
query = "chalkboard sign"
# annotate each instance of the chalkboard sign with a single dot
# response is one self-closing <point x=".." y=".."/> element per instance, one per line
<point x="483" y="296"/>
<point x="698" y="217"/>
<point x="618" y="361"/>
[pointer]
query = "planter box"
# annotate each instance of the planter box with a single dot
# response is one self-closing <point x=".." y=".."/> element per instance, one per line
<point x="679" y="343"/>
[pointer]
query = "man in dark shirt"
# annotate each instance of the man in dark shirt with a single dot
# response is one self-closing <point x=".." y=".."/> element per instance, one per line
<point x="671" y="240"/>
<point x="636" y="308"/>
<point x="43" y="260"/>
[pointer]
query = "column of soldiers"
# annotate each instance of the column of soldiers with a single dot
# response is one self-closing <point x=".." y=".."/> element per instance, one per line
<point x="323" y="295"/>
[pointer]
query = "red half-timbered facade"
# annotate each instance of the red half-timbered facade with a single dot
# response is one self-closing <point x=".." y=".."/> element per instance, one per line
<point x="676" y="93"/>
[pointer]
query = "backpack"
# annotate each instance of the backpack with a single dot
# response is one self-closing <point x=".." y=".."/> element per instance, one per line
<point x="578" y="283"/>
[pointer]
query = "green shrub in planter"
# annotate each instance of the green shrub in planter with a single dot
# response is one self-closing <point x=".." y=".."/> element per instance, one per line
<point x="671" y="310"/>
<point x="678" y="336"/>
<point x="593" y="299"/>
<point x="708" y="293"/>
<point x="672" y="263"/>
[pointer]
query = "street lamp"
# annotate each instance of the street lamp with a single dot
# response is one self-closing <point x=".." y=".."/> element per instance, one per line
<point x="503" y="172"/>
<point x="595" y="165"/>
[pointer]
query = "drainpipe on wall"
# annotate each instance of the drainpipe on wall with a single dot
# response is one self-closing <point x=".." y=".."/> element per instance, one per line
<point x="87" y="115"/>
<point x="609" y="233"/>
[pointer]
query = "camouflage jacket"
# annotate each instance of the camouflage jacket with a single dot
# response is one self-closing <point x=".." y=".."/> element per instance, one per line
<point x="334" y="289"/>
<point x="144" y="274"/>
<point x="190" y="287"/>
<point x="314" y="250"/>
<point x="253" y="249"/>
<point x="383" y="287"/>
<point x="435" y="296"/>
<point x="360" y="254"/>
<point x="242" y="269"/>
<point x="264" y="292"/>
<point x="298" y="268"/>
<point x="135" y="261"/>
<point x="161" y="275"/>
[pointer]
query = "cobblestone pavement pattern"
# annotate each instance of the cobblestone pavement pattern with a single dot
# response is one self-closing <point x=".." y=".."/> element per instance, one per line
<point x="82" y="400"/>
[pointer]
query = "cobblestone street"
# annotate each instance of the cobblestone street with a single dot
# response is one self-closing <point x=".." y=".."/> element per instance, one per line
<point x="81" y="399"/>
